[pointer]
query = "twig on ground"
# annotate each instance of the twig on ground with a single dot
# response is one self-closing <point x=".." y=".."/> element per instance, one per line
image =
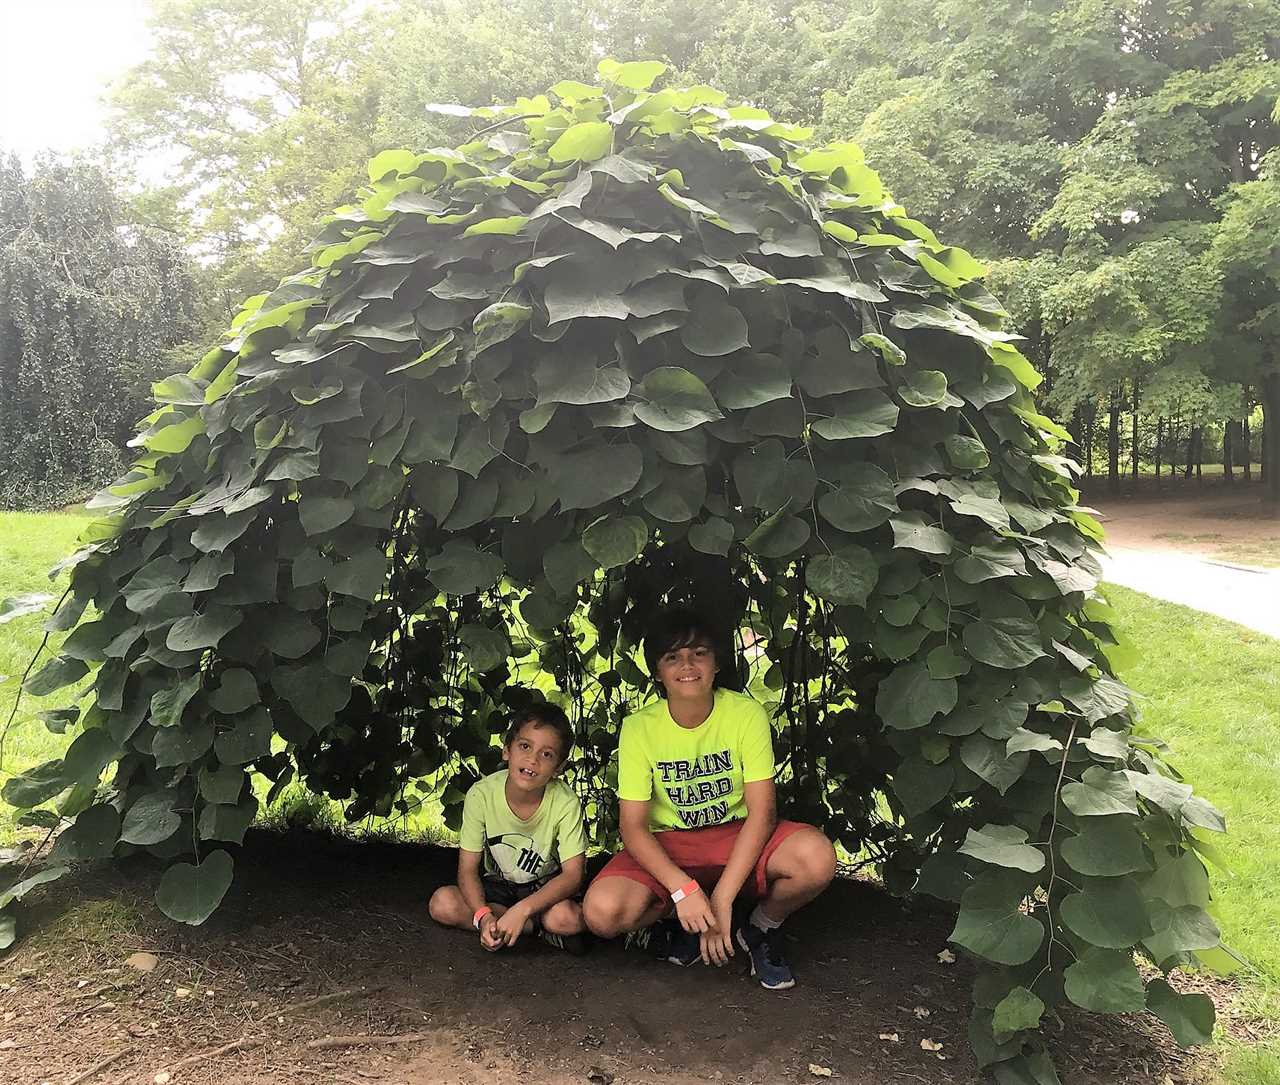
<point x="336" y="996"/>
<point x="99" y="1066"/>
<point x="359" y="1041"/>
<point x="245" y="1043"/>
<point x="97" y="991"/>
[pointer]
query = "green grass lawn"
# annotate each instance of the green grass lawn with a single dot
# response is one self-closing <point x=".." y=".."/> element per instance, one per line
<point x="1211" y="689"/>
<point x="31" y="543"/>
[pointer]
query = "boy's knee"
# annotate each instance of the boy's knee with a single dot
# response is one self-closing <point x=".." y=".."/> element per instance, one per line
<point x="819" y="857"/>
<point x="603" y="913"/>
<point x="440" y="905"/>
<point x="563" y="918"/>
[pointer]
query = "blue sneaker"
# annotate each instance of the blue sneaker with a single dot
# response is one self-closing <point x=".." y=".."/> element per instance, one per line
<point x="666" y="940"/>
<point x="767" y="963"/>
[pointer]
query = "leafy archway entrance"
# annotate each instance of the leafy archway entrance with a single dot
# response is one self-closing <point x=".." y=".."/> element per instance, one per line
<point x="619" y="349"/>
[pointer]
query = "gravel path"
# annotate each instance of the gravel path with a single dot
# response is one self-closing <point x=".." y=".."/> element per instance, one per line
<point x="1235" y="592"/>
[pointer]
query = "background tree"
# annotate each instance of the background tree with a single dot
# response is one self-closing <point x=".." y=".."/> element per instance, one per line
<point x="91" y="309"/>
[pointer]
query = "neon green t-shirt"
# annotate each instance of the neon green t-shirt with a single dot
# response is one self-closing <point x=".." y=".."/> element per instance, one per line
<point x="694" y="777"/>
<point x="522" y="851"/>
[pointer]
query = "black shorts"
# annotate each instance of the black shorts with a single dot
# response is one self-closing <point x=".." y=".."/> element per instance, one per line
<point x="497" y="890"/>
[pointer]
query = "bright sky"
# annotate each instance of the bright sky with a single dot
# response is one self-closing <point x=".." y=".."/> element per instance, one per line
<point x="57" y="59"/>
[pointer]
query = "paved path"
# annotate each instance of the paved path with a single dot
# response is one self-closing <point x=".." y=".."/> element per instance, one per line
<point x="1239" y="594"/>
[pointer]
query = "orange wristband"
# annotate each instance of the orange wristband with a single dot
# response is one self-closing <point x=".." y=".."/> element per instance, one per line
<point x="685" y="891"/>
<point x="480" y="914"/>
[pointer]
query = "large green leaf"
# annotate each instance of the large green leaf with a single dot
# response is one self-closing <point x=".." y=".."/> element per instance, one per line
<point x="1190" y="1017"/>
<point x="993" y="923"/>
<point x="486" y="649"/>
<point x="1109" y="913"/>
<point x="1009" y="643"/>
<point x="189" y="893"/>
<point x="1107" y="847"/>
<point x="675" y="400"/>
<point x="460" y="568"/>
<point x="1106" y="981"/>
<point x="909" y="697"/>
<point x="860" y="414"/>
<point x="150" y="819"/>
<point x="203" y="630"/>
<point x="912" y="531"/>
<point x="615" y="540"/>
<point x="1019" y="1009"/>
<point x="583" y="142"/>
<point x="863" y="498"/>
<point x="844" y="577"/>
<point x="715" y="328"/>
<point x="1003" y="845"/>
<point x="589" y="478"/>
<point x="1100" y="792"/>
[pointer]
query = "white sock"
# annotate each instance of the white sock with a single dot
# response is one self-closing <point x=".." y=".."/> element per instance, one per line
<point x="760" y="918"/>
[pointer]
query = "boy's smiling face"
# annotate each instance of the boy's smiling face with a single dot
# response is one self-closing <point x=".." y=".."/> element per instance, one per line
<point x="533" y="756"/>
<point x="688" y="672"/>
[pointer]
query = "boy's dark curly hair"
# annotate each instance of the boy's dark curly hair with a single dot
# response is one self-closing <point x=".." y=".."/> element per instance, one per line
<point x="542" y="714"/>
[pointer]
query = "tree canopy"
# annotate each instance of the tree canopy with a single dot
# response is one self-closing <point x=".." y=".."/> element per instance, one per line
<point x="619" y="348"/>
<point x="90" y="307"/>
<point x="1093" y="154"/>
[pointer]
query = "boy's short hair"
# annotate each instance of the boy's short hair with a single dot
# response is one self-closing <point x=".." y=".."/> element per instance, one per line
<point x="543" y="714"/>
<point x="681" y="628"/>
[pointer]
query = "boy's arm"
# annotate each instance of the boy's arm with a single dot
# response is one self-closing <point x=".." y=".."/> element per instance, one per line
<point x="469" y="883"/>
<point x="559" y="888"/>
<point x="762" y="817"/>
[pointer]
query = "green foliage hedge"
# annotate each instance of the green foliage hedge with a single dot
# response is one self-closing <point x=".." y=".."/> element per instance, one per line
<point x="626" y="348"/>
<point x="91" y="306"/>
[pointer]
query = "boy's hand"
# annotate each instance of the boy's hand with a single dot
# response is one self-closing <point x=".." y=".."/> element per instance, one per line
<point x="695" y="914"/>
<point x="490" y="938"/>
<point x="511" y="925"/>
<point x="717" y="943"/>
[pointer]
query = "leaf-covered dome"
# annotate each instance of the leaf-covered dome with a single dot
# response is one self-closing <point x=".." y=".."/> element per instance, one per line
<point x="625" y="348"/>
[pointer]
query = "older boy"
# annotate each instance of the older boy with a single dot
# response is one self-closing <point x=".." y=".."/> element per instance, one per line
<point x="526" y="828"/>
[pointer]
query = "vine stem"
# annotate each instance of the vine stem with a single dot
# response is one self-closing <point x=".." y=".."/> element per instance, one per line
<point x="17" y="701"/>
<point x="1053" y="863"/>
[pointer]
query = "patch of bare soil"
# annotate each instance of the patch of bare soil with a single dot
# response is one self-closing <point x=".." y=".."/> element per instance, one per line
<point x="1214" y="520"/>
<point x="323" y="945"/>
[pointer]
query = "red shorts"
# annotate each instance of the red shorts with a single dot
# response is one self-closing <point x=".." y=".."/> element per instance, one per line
<point x="702" y="854"/>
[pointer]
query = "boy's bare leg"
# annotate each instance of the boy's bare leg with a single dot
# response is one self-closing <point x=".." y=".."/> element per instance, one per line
<point x="615" y="905"/>
<point x="449" y="909"/>
<point x="798" y="871"/>
<point x="563" y="917"/>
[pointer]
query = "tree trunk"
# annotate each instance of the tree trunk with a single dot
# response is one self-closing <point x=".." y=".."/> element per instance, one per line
<point x="1159" y="439"/>
<point x="1199" y="453"/>
<point x="1113" y="444"/>
<point x="1271" y="435"/>
<point x="1090" y="416"/>
<point x="1228" y="441"/>
<point x="1133" y="443"/>
<point x="1193" y="439"/>
<point x="1245" y="442"/>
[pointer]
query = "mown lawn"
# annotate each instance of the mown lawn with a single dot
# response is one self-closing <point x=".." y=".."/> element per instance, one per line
<point x="1210" y="688"/>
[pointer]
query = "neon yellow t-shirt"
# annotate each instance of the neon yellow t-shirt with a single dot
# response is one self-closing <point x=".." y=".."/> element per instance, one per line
<point x="693" y="777"/>
<point x="517" y="850"/>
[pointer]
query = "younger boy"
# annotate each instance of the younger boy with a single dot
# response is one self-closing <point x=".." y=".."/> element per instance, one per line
<point x="526" y="826"/>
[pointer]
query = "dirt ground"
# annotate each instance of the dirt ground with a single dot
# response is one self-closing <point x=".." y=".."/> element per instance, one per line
<point x="1231" y="523"/>
<point x="311" y="916"/>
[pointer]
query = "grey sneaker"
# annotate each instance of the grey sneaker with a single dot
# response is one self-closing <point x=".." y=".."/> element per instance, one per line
<point x="765" y="954"/>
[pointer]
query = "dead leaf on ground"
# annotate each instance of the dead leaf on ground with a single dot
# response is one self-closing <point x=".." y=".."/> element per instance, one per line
<point x="142" y="961"/>
<point x="819" y="1071"/>
<point x="921" y="1012"/>
<point x="892" y="1037"/>
<point x="947" y="957"/>
<point x="930" y="1045"/>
